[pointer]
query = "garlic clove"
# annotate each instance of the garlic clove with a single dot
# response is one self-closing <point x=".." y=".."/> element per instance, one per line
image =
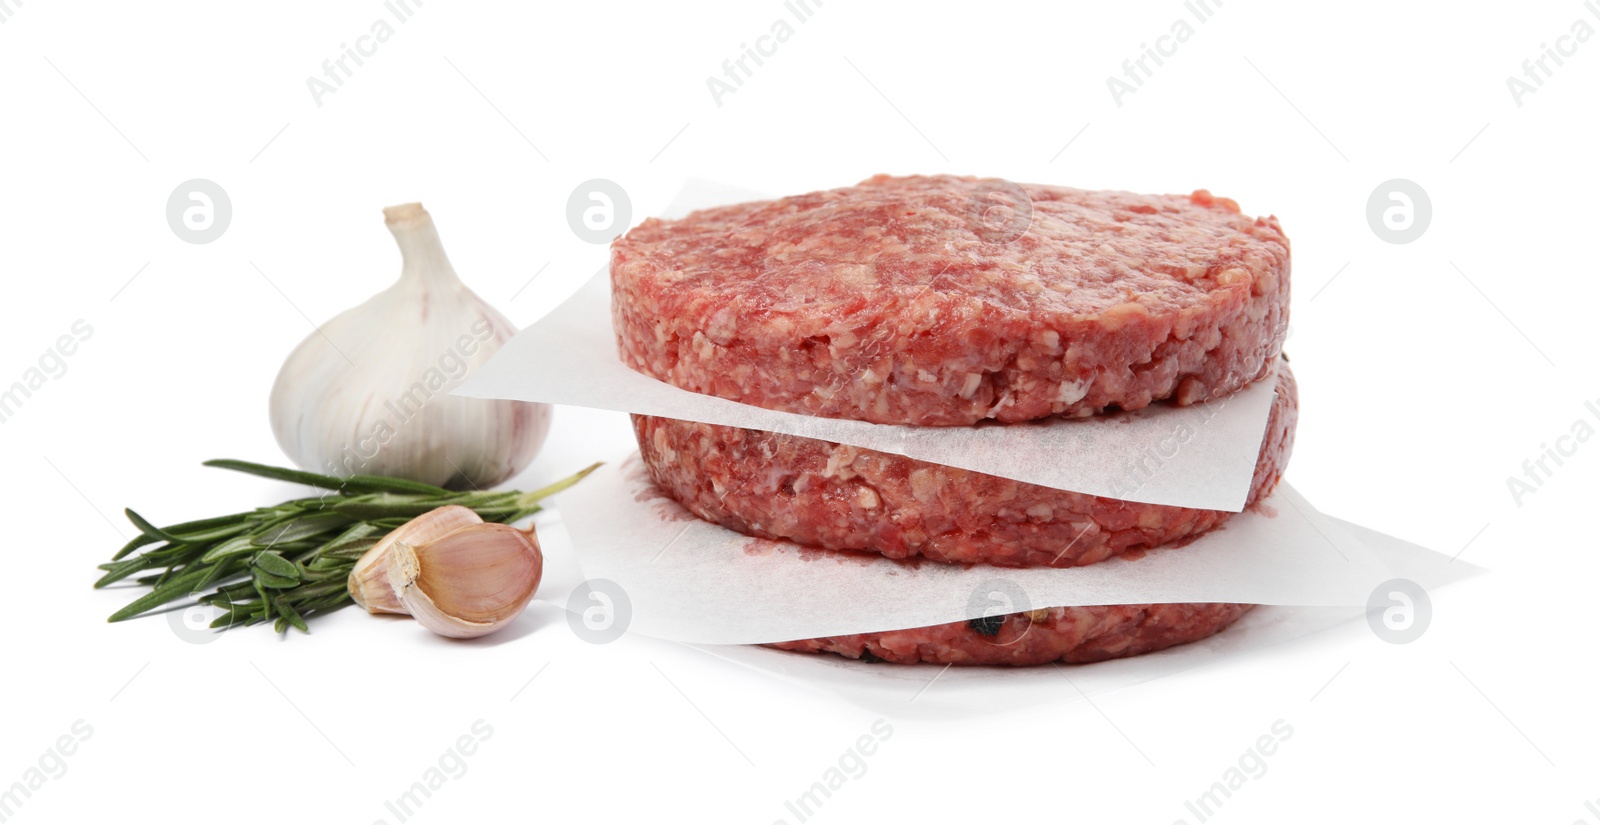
<point x="468" y="583"/>
<point x="369" y="391"/>
<point x="369" y="579"/>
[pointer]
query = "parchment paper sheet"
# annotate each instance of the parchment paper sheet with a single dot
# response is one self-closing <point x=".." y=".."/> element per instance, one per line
<point x="933" y="691"/>
<point x="693" y="581"/>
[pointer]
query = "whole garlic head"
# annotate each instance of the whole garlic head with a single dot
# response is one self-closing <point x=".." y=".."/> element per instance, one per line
<point x="368" y="393"/>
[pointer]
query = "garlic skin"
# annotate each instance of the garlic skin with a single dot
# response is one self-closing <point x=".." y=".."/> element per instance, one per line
<point x="369" y="579"/>
<point x="368" y="392"/>
<point x="469" y="583"/>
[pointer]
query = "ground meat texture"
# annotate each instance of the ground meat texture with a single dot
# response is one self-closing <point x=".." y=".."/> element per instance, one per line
<point x="898" y="301"/>
<point x="840" y="497"/>
<point x="1075" y="635"/>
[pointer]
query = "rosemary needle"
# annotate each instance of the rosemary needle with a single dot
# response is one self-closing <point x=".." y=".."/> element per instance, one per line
<point x="289" y="562"/>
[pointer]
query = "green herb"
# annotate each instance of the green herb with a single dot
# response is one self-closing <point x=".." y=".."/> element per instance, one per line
<point x="286" y="563"/>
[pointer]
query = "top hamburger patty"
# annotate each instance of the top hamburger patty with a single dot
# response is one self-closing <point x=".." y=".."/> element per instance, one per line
<point x="947" y="300"/>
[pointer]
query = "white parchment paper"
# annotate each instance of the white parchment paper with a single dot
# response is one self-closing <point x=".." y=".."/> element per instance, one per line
<point x="692" y="581"/>
<point x="933" y="691"/>
<point x="1201" y="456"/>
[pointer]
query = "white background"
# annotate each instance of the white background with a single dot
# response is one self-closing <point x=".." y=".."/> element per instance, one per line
<point x="1422" y="390"/>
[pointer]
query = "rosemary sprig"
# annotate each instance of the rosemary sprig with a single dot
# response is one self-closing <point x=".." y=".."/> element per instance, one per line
<point x="289" y="562"/>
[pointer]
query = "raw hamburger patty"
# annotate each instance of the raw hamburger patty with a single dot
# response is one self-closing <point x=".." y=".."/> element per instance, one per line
<point x="916" y="300"/>
<point x="1060" y="634"/>
<point x="848" y="498"/>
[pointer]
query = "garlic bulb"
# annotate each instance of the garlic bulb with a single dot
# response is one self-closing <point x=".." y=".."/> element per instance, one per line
<point x="368" y="393"/>
<point x="461" y="579"/>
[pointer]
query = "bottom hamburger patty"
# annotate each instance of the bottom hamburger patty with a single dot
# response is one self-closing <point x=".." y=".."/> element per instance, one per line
<point x="1074" y="635"/>
<point x="840" y="497"/>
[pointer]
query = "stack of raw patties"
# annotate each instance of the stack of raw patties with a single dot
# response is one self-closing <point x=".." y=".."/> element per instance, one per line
<point x="951" y="302"/>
